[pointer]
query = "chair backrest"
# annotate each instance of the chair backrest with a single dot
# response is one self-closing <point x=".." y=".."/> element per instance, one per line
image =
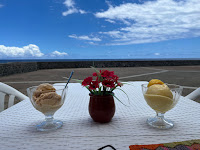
<point x="194" y="95"/>
<point x="12" y="93"/>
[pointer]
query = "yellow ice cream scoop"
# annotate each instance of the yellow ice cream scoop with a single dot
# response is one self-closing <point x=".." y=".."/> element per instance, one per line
<point x="158" y="89"/>
<point x="154" y="81"/>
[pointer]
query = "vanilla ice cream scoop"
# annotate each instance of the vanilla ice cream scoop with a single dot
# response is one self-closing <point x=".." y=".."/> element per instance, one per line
<point x="50" y="98"/>
<point x="43" y="88"/>
<point x="45" y="95"/>
<point x="158" y="89"/>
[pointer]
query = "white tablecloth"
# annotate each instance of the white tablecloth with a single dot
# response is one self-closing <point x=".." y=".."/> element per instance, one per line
<point x="128" y="126"/>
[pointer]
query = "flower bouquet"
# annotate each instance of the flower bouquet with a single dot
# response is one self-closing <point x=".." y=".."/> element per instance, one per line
<point x="104" y="84"/>
<point x="101" y="86"/>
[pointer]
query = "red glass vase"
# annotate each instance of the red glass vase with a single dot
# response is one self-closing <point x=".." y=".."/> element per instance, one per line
<point x="101" y="108"/>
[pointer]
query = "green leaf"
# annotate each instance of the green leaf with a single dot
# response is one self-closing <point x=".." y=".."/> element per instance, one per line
<point x="99" y="90"/>
<point x="95" y="69"/>
<point x="124" y="93"/>
<point x="95" y="92"/>
<point x="127" y="83"/>
<point x="117" y="98"/>
<point x="98" y="74"/>
<point x="89" y="90"/>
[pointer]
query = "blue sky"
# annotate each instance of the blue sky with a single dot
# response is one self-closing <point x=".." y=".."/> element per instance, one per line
<point x="99" y="29"/>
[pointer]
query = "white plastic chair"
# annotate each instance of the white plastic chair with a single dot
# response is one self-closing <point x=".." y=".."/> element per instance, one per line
<point x="12" y="93"/>
<point x="194" y="95"/>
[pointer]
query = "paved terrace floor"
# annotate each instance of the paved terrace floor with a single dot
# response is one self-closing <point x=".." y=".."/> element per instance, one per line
<point x="186" y="76"/>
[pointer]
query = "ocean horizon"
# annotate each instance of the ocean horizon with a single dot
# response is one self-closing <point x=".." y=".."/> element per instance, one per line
<point x="71" y="60"/>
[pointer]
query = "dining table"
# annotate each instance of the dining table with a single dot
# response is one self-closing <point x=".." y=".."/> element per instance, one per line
<point x="80" y="132"/>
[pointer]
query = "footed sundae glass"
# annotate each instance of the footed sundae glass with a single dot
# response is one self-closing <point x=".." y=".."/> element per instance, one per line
<point x="161" y="104"/>
<point x="48" y="102"/>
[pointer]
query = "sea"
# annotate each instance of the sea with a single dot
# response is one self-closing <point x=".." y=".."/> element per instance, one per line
<point x="71" y="60"/>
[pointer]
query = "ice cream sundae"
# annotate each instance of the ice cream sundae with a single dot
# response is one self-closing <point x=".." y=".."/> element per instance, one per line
<point x="161" y="97"/>
<point x="158" y="96"/>
<point x="46" y="99"/>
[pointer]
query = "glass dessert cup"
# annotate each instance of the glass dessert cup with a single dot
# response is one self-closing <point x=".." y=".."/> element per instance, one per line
<point x="162" y="104"/>
<point x="48" y="103"/>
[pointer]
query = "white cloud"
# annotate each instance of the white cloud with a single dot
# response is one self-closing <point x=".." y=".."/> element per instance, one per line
<point x="71" y="9"/>
<point x="153" y="21"/>
<point x="69" y="3"/>
<point x="1" y="5"/>
<point x="157" y="54"/>
<point x="93" y="43"/>
<point x="111" y="21"/>
<point x="84" y="37"/>
<point x="82" y="11"/>
<point x="58" y="54"/>
<point x="29" y="51"/>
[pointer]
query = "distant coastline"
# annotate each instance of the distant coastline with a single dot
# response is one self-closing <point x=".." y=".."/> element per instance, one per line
<point x="2" y="61"/>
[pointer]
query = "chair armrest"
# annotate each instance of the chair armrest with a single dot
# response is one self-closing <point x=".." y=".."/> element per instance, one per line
<point x="11" y="91"/>
<point x="195" y="94"/>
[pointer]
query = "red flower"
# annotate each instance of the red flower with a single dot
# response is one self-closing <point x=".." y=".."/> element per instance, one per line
<point x="115" y="78"/>
<point x="106" y="73"/>
<point x="108" y="83"/>
<point x="94" y="74"/>
<point x="105" y="82"/>
<point x="87" y="81"/>
<point x="94" y="85"/>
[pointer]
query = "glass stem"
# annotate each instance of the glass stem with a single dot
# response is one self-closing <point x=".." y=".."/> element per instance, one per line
<point x="160" y="116"/>
<point x="49" y="119"/>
